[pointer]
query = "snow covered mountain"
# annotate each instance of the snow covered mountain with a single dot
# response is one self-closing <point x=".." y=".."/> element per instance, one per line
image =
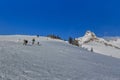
<point x="52" y="60"/>
<point x="103" y="46"/>
<point x="114" y="40"/>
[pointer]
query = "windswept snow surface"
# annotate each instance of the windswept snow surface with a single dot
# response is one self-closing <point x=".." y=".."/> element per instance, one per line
<point x="53" y="60"/>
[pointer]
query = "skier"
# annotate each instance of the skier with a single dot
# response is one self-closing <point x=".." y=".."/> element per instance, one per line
<point x="91" y="49"/>
<point x="33" y="41"/>
<point x="25" y="42"/>
<point x="38" y="43"/>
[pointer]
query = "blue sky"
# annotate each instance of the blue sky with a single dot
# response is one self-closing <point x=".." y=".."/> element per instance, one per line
<point x="62" y="17"/>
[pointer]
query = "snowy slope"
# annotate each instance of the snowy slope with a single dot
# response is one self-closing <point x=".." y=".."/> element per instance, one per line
<point x="53" y="60"/>
<point x="100" y="45"/>
<point x="115" y="41"/>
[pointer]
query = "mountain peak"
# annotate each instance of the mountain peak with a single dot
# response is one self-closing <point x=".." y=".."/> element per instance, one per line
<point x="89" y="36"/>
<point x="100" y="45"/>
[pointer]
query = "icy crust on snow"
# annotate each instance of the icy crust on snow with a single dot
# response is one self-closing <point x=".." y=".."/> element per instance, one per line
<point x="53" y="60"/>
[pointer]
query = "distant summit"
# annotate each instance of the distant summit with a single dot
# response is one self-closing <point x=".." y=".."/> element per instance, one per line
<point x="89" y="36"/>
<point x="100" y="45"/>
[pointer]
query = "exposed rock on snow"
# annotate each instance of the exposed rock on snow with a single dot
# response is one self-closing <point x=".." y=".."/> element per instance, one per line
<point x="100" y="45"/>
<point x="89" y="36"/>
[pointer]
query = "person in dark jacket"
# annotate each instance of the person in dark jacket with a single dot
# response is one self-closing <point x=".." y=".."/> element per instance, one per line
<point x="25" y="42"/>
<point x="33" y="41"/>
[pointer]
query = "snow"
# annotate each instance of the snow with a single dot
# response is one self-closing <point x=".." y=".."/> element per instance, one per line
<point x="115" y="42"/>
<point x="53" y="60"/>
<point x="109" y="47"/>
<point x="102" y="49"/>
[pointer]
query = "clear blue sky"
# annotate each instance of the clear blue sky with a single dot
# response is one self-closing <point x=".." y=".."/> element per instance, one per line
<point x="62" y="17"/>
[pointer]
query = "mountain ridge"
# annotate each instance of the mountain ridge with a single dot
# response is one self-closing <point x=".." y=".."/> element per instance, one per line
<point x="90" y="40"/>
